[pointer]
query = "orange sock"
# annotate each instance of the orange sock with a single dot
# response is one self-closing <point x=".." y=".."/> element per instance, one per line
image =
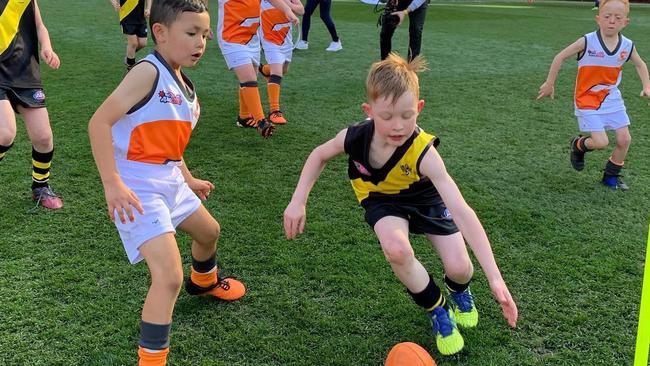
<point x="152" y="357"/>
<point x="266" y="69"/>
<point x="243" y="110"/>
<point x="274" y="96"/>
<point x="251" y="96"/>
<point x="204" y="279"/>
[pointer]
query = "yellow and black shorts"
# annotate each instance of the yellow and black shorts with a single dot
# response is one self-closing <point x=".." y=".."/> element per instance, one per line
<point x="26" y="97"/>
<point x="432" y="219"/>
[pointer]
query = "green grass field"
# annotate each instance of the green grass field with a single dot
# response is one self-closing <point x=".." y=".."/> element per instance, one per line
<point x="570" y="250"/>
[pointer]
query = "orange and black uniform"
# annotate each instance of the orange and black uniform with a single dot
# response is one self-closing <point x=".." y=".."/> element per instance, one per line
<point x="397" y="188"/>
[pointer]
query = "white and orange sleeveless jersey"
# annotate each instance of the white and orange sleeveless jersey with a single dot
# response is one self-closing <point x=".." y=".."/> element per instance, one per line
<point x="275" y="32"/>
<point x="599" y="73"/>
<point x="237" y="25"/>
<point x="157" y="130"/>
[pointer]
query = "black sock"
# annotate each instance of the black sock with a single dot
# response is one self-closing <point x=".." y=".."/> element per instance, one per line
<point x="41" y="163"/>
<point x="455" y="287"/>
<point x="3" y="150"/>
<point x="612" y="169"/>
<point x="154" y="336"/>
<point x="130" y="62"/>
<point x="430" y="297"/>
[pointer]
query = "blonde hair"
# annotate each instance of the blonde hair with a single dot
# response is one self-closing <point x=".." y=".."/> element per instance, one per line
<point x="394" y="76"/>
<point x="625" y="3"/>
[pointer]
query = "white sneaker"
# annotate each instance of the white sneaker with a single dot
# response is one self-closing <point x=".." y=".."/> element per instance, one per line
<point x="302" y="45"/>
<point x="334" y="46"/>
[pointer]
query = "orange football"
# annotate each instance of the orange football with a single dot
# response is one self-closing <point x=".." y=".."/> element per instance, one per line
<point x="409" y="354"/>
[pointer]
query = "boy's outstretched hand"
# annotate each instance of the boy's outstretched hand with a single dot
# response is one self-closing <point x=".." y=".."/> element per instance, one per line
<point x="201" y="187"/>
<point x="547" y="89"/>
<point x="503" y="297"/>
<point x="294" y="219"/>
<point x="50" y="58"/>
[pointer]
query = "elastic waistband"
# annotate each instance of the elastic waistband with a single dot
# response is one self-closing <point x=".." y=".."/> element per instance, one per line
<point x="145" y="170"/>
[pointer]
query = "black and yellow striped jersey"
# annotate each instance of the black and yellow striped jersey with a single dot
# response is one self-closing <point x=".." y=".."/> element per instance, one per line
<point x="399" y="180"/>
<point x="19" y="66"/>
<point x="132" y="12"/>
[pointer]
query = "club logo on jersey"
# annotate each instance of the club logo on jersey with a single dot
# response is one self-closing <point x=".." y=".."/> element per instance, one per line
<point x="170" y="97"/>
<point x="446" y="214"/>
<point x="38" y="96"/>
<point x="622" y="56"/>
<point x="406" y="169"/>
<point x="361" y="168"/>
<point x="592" y="53"/>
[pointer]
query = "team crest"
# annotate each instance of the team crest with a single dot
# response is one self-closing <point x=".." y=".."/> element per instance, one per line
<point x="406" y="169"/>
<point x="622" y="56"/>
<point x="38" y="96"/>
<point x="361" y="168"/>
<point x="170" y="97"/>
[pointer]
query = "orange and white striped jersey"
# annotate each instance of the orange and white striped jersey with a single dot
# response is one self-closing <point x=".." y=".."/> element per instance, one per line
<point x="275" y="31"/>
<point x="599" y="73"/>
<point x="237" y="25"/>
<point x="157" y="130"/>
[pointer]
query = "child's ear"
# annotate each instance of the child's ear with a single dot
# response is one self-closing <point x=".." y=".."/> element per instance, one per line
<point x="159" y="31"/>
<point x="420" y="105"/>
<point x="367" y="109"/>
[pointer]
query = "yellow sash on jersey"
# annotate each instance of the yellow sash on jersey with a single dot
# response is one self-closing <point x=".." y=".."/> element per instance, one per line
<point x="9" y="20"/>
<point x="127" y="8"/>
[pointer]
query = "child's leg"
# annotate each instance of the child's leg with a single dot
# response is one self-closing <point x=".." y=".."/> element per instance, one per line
<point x="250" y="94"/>
<point x="273" y="86"/>
<point x="37" y="123"/>
<point x="142" y="43"/>
<point x="204" y="279"/>
<point x="7" y="127"/>
<point x="611" y="176"/>
<point x="580" y="145"/>
<point x="131" y="48"/>
<point x="458" y="273"/>
<point x="164" y="262"/>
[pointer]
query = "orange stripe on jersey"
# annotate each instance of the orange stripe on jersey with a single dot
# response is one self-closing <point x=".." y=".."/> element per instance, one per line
<point x="275" y="26"/>
<point x="241" y="18"/>
<point x="158" y="142"/>
<point x="590" y="76"/>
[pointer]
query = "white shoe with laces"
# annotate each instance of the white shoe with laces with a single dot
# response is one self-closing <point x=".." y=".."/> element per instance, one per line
<point x="302" y="45"/>
<point x="334" y="46"/>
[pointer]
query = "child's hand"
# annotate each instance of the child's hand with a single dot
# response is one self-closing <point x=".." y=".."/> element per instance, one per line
<point x="50" y="58"/>
<point x="292" y="17"/>
<point x="119" y="197"/>
<point x="503" y="297"/>
<point x="294" y="219"/>
<point x="147" y="12"/>
<point x="547" y="89"/>
<point x="201" y="187"/>
<point x="645" y="93"/>
<point x="400" y="15"/>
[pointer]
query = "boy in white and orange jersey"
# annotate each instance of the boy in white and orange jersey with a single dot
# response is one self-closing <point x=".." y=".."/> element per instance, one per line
<point x="598" y="102"/>
<point x="240" y="45"/>
<point x="138" y="137"/>
<point x="275" y="35"/>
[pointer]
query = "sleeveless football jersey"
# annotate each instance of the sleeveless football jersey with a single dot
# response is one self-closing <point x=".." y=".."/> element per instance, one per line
<point x="237" y="25"/>
<point x="599" y="74"/>
<point x="275" y="32"/>
<point x="19" y="62"/>
<point x="157" y="130"/>
<point x="132" y="12"/>
<point x="399" y="180"/>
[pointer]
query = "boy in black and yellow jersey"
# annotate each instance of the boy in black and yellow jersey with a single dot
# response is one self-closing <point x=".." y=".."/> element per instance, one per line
<point x="21" y="90"/>
<point x="402" y="184"/>
<point x="133" y="14"/>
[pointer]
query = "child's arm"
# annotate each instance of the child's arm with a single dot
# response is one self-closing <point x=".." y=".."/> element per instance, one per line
<point x="47" y="53"/>
<point x="295" y="213"/>
<point x="116" y="4"/>
<point x="296" y="7"/>
<point x="201" y="187"/>
<point x="134" y="88"/>
<point x="642" y="70"/>
<point x="282" y="5"/>
<point x="471" y="229"/>
<point x="147" y="8"/>
<point x="548" y="88"/>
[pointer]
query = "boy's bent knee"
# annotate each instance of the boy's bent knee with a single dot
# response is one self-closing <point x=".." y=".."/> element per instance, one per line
<point x="599" y="142"/>
<point x="461" y="271"/>
<point x="170" y="280"/>
<point x="398" y="253"/>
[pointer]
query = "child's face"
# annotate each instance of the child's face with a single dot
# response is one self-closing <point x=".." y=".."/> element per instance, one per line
<point x="612" y="18"/>
<point x="394" y="122"/>
<point x="184" y="40"/>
